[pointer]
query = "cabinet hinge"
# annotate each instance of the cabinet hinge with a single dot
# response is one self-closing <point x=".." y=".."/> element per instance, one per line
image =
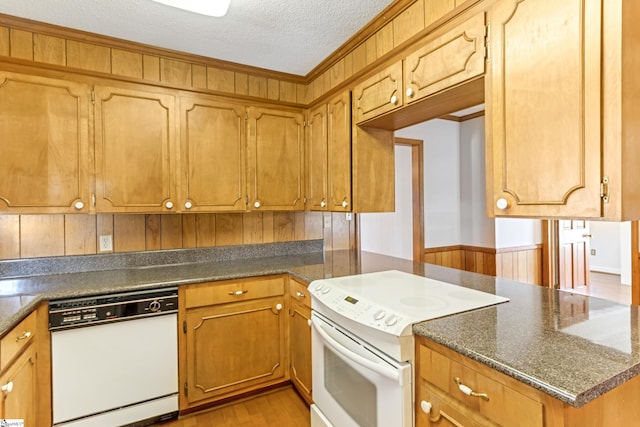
<point x="184" y="326"/>
<point x="246" y="115"/>
<point x="604" y="189"/>
<point x="186" y="389"/>
<point x="93" y="96"/>
<point x="487" y="37"/>
<point x="93" y="199"/>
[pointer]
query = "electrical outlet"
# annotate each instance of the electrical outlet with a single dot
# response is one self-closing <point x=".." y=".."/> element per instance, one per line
<point x="327" y="221"/>
<point x="593" y="251"/>
<point x="106" y="243"/>
<point x="348" y="216"/>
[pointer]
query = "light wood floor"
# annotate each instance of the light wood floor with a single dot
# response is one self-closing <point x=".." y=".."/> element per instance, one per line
<point x="607" y="286"/>
<point x="281" y="408"/>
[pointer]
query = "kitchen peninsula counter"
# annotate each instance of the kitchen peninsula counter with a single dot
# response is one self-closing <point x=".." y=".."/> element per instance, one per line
<point x="572" y="347"/>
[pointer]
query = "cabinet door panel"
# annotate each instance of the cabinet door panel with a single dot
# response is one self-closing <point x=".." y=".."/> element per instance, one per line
<point x="446" y="61"/>
<point x="213" y="155"/>
<point x="543" y="139"/>
<point x="135" y="143"/>
<point x="300" y="335"/>
<point x="317" y="158"/>
<point x="339" y="152"/>
<point x="233" y="347"/>
<point x="275" y="159"/>
<point x="378" y="94"/>
<point x="44" y="141"/>
<point x="21" y="402"/>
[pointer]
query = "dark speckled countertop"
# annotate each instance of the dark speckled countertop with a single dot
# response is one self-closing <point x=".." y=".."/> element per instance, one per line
<point x="572" y="347"/>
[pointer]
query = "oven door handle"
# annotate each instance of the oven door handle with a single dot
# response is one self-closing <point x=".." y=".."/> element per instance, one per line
<point x="355" y="357"/>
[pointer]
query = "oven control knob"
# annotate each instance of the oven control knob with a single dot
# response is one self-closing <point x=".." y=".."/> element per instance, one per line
<point x="318" y="287"/>
<point x="154" y="306"/>
<point x="379" y="314"/>
<point x="326" y="290"/>
<point x="391" y="320"/>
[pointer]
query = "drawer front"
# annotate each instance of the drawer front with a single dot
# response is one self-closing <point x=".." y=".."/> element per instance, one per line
<point x="434" y="409"/>
<point x="298" y="291"/>
<point x="496" y="401"/>
<point x="17" y="339"/>
<point x="224" y="292"/>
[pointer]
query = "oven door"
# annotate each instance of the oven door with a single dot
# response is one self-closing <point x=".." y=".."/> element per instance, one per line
<point x="355" y="385"/>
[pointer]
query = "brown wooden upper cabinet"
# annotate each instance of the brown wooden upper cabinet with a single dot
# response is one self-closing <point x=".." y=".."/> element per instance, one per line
<point x="275" y="159"/>
<point x="447" y="60"/>
<point x="378" y="94"/>
<point x="135" y="150"/>
<point x="213" y="155"/>
<point x="329" y="155"/>
<point x="44" y="145"/>
<point x="562" y="134"/>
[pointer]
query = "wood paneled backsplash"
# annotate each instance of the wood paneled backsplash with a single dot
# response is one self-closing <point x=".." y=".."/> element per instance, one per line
<point x="29" y="236"/>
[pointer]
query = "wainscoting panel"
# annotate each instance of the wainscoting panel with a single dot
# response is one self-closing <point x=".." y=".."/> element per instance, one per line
<point x="523" y="263"/>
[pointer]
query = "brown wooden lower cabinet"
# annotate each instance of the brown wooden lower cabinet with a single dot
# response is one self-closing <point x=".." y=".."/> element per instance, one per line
<point x="300" y="338"/>
<point x="234" y="338"/>
<point x="25" y="377"/>
<point x="439" y="402"/>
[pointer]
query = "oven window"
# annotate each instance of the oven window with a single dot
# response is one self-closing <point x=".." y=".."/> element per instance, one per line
<point x="353" y="392"/>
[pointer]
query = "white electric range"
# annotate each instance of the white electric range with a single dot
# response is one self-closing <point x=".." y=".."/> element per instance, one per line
<point x="363" y="346"/>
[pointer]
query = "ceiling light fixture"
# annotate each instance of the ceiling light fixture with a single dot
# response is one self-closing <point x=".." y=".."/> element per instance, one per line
<point x="215" y="8"/>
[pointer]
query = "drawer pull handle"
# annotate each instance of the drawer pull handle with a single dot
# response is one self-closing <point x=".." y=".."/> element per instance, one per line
<point x="426" y="407"/>
<point x="8" y="387"/>
<point x="24" y="336"/>
<point x="468" y="391"/>
<point x="300" y="294"/>
<point x="237" y="292"/>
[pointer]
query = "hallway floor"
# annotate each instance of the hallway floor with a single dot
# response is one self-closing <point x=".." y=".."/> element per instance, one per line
<point x="607" y="286"/>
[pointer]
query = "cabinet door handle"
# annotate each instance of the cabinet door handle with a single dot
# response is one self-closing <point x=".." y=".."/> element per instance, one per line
<point x="256" y="204"/>
<point x="345" y="203"/>
<point x="241" y="292"/>
<point x="502" y="204"/>
<point x="79" y="205"/>
<point x="323" y="203"/>
<point x="8" y="387"/>
<point x="394" y="100"/>
<point x="188" y="205"/>
<point x="168" y="205"/>
<point x="23" y="336"/>
<point x="409" y="92"/>
<point x="468" y="391"/>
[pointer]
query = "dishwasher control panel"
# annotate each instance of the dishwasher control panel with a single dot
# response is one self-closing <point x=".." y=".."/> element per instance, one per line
<point x="83" y="311"/>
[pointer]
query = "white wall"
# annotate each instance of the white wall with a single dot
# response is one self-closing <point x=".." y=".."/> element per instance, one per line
<point x="512" y="232"/>
<point x="391" y="233"/>
<point x="441" y="179"/>
<point x="476" y="229"/>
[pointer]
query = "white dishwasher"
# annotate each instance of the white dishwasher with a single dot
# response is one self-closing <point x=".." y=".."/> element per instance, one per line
<point x="115" y="359"/>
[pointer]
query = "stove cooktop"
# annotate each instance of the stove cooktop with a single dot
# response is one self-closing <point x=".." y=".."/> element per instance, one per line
<point x="392" y="301"/>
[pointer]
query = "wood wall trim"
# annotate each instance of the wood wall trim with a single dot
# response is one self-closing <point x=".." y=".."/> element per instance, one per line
<point x="462" y="118"/>
<point x="442" y="249"/>
<point x="382" y="19"/>
<point x="95" y="77"/>
<point x="519" y="248"/>
<point x="464" y="248"/>
<point x="113" y="42"/>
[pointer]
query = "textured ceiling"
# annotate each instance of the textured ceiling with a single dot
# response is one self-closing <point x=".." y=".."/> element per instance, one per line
<point x="292" y="36"/>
